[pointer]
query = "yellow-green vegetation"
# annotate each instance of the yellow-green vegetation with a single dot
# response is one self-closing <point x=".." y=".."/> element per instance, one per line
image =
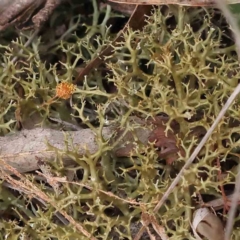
<point x="182" y="65"/>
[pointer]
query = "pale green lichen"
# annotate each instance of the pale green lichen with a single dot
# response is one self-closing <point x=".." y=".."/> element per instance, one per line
<point x="181" y="65"/>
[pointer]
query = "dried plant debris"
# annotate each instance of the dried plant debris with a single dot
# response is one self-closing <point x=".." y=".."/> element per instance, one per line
<point x="20" y="12"/>
<point x="207" y="224"/>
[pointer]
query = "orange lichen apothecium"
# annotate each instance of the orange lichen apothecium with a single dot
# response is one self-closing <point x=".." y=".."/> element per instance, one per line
<point x="64" y="90"/>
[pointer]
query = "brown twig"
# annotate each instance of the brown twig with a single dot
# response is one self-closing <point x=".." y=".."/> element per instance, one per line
<point x="225" y="199"/>
<point x="25" y="184"/>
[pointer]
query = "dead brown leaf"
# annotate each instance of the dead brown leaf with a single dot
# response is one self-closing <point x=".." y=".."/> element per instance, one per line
<point x="164" y="140"/>
<point x="207" y="224"/>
